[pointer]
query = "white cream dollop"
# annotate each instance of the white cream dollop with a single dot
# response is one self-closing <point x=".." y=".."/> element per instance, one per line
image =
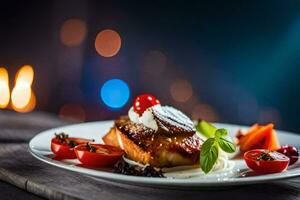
<point x="147" y="118"/>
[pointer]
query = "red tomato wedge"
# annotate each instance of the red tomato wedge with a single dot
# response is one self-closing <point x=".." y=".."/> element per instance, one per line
<point x="263" y="161"/>
<point x="63" y="150"/>
<point x="98" y="155"/>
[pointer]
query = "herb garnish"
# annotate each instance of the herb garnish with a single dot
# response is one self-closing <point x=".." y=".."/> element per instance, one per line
<point x="265" y="156"/>
<point x="64" y="139"/>
<point x="217" y="138"/>
<point x="61" y="136"/>
<point x="90" y="147"/>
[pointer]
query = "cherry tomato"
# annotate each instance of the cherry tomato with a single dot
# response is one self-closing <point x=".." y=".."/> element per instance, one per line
<point x="264" y="161"/>
<point x="144" y="101"/>
<point x="63" y="150"/>
<point x="98" y="155"/>
<point x="291" y="152"/>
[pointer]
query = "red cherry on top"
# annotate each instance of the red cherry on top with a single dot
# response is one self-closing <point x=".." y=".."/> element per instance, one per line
<point x="144" y="101"/>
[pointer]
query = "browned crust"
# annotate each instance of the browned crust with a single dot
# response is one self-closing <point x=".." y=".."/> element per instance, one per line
<point x="149" y="140"/>
<point x="138" y="133"/>
<point x="111" y="138"/>
<point x="133" y="151"/>
<point x="162" y="157"/>
<point x="146" y="146"/>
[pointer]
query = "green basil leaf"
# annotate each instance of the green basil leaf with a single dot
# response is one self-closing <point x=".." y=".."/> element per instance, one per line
<point x="226" y="144"/>
<point x="207" y="129"/>
<point x="209" y="154"/>
<point x="222" y="132"/>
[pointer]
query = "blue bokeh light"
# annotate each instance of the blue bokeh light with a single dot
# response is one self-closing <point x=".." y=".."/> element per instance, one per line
<point x="115" y="93"/>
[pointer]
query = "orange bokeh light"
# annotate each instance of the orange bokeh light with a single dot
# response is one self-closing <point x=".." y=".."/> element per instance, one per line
<point x="108" y="43"/>
<point x="22" y="97"/>
<point x="29" y="106"/>
<point x="4" y="88"/>
<point x="73" y="32"/>
<point x="181" y="90"/>
<point x="72" y="112"/>
<point x="24" y="76"/>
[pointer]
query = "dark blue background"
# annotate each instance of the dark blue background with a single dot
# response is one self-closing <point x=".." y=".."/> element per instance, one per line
<point x="241" y="57"/>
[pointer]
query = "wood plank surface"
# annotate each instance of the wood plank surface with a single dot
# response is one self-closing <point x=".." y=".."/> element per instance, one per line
<point x="20" y="168"/>
<point x="18" y="127"/>
<point x="9" y="192"/>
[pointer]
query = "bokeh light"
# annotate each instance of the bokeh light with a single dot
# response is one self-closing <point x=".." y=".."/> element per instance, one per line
<point x="108" y="43"/>
<point x="29" y="106"/>
<point x="72" y="112"/>
<point x="24" y="76"/>
<point x="73" y="32"/>
<point x="4" y="88"/>
<point x="22" y="96"/>
<point x="181" y="90"/>
<point x="115" y="93"/>
<point x="205" y="112"/>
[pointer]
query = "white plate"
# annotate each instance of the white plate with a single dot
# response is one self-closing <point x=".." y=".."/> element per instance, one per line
<point x="39" y="147"/>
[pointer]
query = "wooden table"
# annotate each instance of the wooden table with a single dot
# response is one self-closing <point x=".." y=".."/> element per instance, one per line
<point x="19" y="168"/>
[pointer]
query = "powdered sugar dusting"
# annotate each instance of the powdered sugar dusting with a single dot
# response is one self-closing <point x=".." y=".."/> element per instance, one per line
<point x="166" y="118"/>
<point x="172" y="120"/>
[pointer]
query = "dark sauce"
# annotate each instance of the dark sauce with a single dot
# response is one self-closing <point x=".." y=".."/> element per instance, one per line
<point x="123" y="167"/>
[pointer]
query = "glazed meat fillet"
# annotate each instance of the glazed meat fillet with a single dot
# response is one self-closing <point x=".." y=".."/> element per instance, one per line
<point x="174" y="143"/>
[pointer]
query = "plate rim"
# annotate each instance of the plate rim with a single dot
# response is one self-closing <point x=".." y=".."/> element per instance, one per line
<point x="153" y="181"/>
